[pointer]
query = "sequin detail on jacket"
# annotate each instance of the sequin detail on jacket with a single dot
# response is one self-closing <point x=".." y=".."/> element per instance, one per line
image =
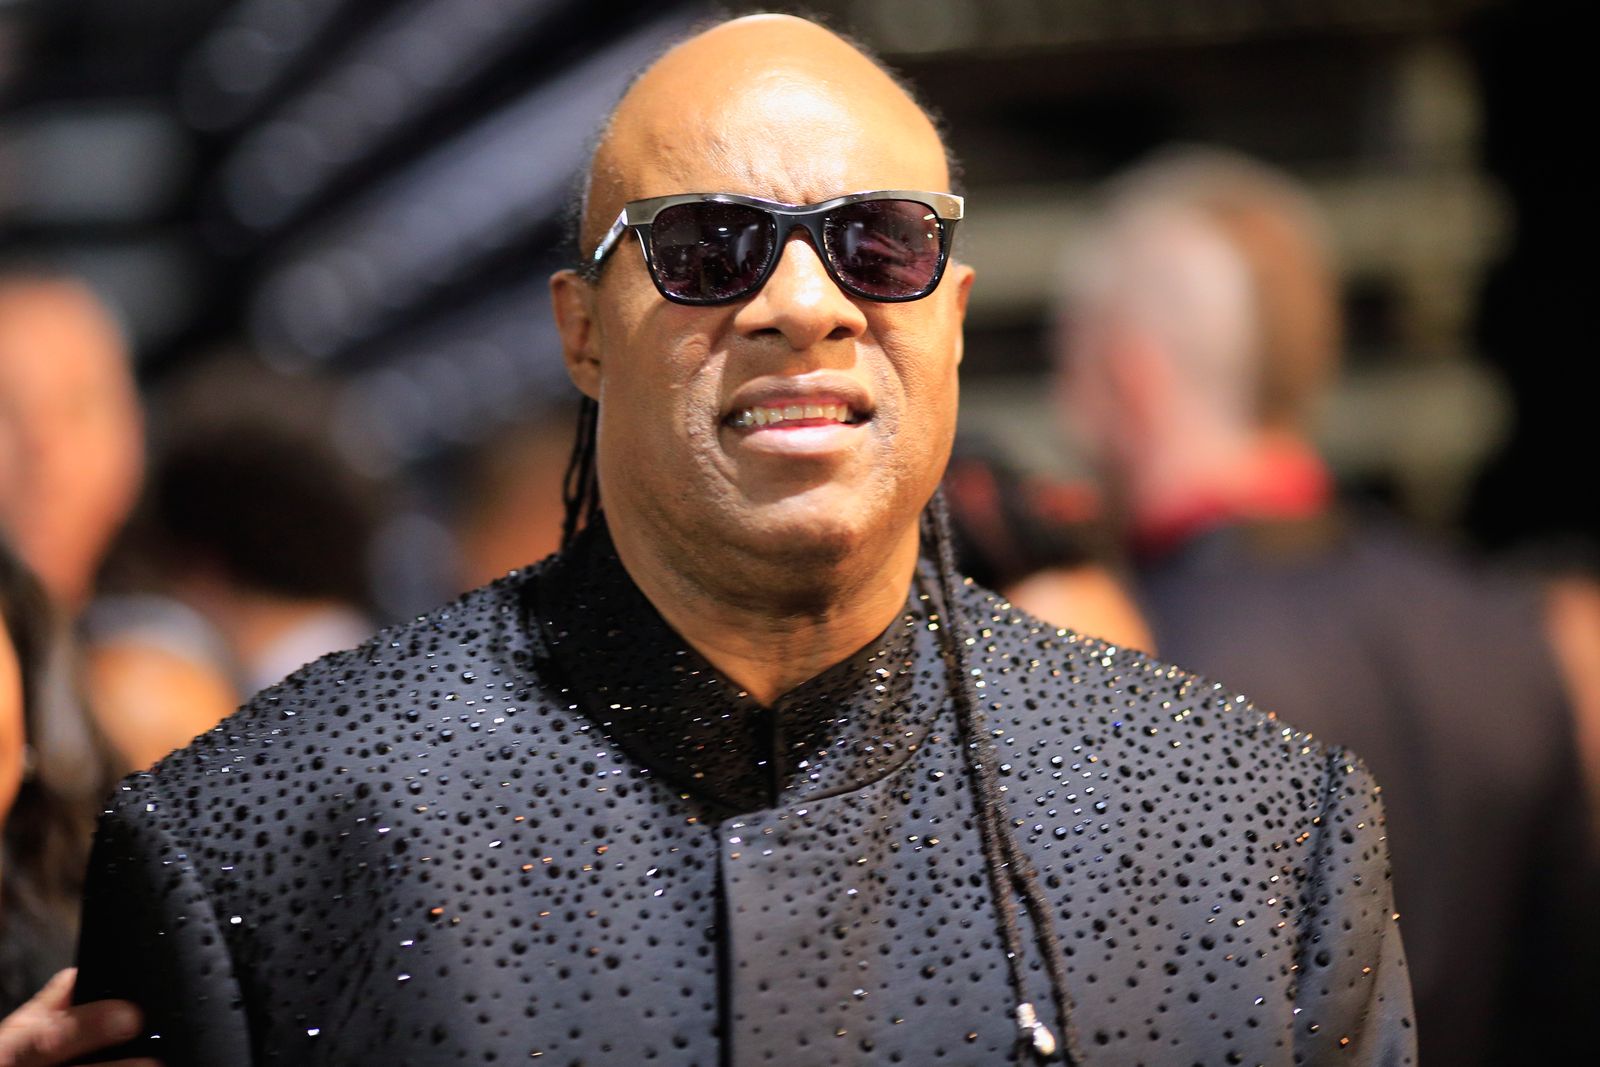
<point x="534" y="827"/>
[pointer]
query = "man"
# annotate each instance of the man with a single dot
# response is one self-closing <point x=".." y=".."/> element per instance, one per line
<point x="1201" y="329"/>
<point x="733" y="778"/>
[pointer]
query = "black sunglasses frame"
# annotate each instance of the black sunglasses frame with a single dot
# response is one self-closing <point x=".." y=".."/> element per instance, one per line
<point x="639" y="215"/>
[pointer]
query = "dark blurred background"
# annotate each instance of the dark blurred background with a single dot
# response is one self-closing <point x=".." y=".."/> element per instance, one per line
<point x="373" y="195"/>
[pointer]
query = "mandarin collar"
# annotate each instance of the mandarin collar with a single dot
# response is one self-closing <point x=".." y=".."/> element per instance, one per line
<point x="631" y="674"/>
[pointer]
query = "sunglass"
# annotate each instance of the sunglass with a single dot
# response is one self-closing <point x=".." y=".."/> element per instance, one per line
<point x="711" y="248"/>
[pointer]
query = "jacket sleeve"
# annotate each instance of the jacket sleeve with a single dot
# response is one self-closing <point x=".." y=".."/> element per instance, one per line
<point x="150" y="935"/>
<point x="1353" y="996"/>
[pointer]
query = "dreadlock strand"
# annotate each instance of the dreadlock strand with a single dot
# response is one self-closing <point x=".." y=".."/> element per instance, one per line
<point x="580" y="487"/>
<point x="1048" y="940"/>
<point x="1011" y="873"/>
<point x="988" y="831"/>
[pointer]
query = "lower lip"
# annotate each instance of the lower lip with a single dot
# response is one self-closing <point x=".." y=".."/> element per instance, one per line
<point x="799" y="437"/>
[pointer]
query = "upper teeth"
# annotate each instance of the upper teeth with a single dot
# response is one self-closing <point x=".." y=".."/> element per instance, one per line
<point x="762" y="416"/>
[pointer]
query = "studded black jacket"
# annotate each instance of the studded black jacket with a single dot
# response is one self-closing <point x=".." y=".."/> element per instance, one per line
<point x="534" y="826"/>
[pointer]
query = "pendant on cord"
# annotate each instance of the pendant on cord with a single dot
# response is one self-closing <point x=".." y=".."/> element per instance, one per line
<point x="1035" y="1032"/>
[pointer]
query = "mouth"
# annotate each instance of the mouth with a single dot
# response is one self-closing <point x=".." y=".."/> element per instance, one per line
<point x="794" y="420"/>
<point x="794" y="415"/>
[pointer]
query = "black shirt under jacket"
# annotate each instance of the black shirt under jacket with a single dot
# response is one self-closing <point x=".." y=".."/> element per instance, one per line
<point x="534" y="826"/>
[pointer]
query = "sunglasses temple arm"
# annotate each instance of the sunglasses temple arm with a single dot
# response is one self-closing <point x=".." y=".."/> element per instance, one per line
<point x="606" y="245"/>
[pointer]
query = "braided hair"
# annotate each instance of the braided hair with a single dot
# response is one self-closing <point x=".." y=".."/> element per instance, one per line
<point x="580" y="486"/>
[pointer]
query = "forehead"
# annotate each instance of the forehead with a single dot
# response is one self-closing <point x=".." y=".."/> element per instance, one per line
<point x="786" y="137"/>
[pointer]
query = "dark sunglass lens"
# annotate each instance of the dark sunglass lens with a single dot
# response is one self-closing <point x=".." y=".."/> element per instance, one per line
<point x="885" y="248"/>
<point x="705" y="252"/>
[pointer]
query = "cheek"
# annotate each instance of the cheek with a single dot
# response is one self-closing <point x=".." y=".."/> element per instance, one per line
<point x="924" y="366"/>
<point x="658" y="384"/>
<point x="924" y="347"/>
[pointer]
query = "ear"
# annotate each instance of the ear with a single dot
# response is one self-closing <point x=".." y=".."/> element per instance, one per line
<point x="961" y="275"/>
<point x="572" y="299"/>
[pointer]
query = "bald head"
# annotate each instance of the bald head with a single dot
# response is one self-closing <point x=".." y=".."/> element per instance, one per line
<point x="1222" y="262"/>
<point x="729" y="97"/>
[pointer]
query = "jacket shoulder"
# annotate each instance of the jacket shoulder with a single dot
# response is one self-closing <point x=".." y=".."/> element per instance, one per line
<point x="1092" y="685"/>
<point x="404" y="679"/>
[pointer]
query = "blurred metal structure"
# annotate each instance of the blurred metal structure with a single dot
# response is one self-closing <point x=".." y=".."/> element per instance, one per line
<point x="336" y="183"/>
<point x="389" y="79"/>
<point x="929" y="27"/>
<point x="485" y="189"/>
<point x="397" y="202"/>
<point x="250" y="52"/>
<point x="454" y="381"/>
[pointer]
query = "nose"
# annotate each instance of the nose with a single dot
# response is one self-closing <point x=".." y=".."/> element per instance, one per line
<point x="800" y="302"/>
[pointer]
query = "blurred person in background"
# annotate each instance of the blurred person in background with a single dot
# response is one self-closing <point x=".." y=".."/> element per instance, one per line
<point x="71" y="461"/>
<point x="1572" y="624"/>
<point x="509" y="511"/>
<point x="1043" y="544"/>
<point x="246" y="559"/>
<point x="1200" y="327"/>
<point x="46" y="818"/>
<point x="71" y="430"/>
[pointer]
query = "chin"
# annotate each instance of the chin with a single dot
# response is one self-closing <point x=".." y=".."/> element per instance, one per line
<point x="819" y="536"/>
<point x="835" y="525"/>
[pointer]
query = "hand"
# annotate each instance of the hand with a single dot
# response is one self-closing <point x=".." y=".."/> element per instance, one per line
<point x="48" y="1031"/>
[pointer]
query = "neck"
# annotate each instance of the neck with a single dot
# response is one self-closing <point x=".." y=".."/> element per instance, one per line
<point x="800" y="620"/>
<point x="1262" y="475"/>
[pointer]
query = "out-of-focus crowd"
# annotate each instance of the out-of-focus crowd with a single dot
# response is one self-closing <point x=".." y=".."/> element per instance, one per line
<point x="164" y="557"/>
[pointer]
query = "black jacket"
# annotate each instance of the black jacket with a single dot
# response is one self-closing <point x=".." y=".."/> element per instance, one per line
<point x="535" y="827"/>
